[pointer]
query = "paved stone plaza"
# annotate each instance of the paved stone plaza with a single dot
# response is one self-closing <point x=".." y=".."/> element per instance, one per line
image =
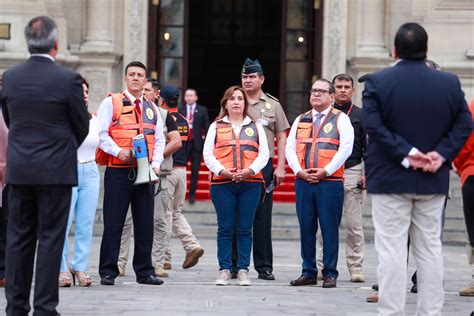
<point x="192" y="292"/>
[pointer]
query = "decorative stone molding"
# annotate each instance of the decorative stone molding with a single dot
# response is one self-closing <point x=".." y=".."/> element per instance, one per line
<point x="334" y="44"/>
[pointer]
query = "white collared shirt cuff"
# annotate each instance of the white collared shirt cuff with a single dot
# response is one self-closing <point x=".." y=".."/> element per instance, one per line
<point x="405" y="162"/>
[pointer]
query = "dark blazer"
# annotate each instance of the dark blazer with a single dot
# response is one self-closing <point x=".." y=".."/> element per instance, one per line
<point x="43" y="106"/>
<point x="411" y="105"/>
<point x="200" y="124"/>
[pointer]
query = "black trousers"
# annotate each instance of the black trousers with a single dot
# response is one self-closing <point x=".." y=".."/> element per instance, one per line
<point x="262" y="229"/>
<point x="195" y="156"/>
<point x="37" y="221"/>
<point x="3" y="230"/>
<point x="119" y="193"/>
<point x="468" y="204"/>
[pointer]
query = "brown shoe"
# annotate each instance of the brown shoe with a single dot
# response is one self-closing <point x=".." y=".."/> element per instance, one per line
<point x="167" y="266"/>
<point x="2" y="282"/>
<point x="374" y="298"/>
<point x="161" y="273"/>
<point x="192" y="257"/>
<point x="467" y="291"/>
<point x="304" y="280"/>
<point x="329" y="282"/>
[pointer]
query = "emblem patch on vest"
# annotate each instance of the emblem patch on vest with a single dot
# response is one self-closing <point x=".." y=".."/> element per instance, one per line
<point x="268" y="106"/>
<point x="327" y="128"/>
<point x="249" y="131"/>
<point x="149" y="113"/>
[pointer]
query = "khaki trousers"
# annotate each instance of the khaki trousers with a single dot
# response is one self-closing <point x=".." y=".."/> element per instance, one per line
<point x="171" y="219"/>
<point x="395" y="217"/>
<point x="352" y="219"/>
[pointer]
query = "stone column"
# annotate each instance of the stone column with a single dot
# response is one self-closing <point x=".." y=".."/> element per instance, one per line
<point x="98" y="26"/>
<point x="372" y="35"/>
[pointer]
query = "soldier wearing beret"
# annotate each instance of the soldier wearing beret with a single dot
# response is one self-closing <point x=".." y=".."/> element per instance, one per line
<point x="267" y="110"/>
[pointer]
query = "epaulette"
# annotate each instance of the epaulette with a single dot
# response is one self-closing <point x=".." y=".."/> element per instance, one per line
<point x="272" y="97"/>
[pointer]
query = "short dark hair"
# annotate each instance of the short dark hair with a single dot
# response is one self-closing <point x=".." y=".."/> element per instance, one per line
<point x="41" y="33"/>
<point x="343" y="77"/>
<point x="155" y="84"/>
<point x="331" y="86"/>
<point x="411" y="41"/>
<point x="136" y="64"/>
<point x="191" y="89"/>
<point x="84" y="81"/>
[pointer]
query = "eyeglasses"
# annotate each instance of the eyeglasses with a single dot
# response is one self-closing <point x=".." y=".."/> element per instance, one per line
<point x="319" y="91"/>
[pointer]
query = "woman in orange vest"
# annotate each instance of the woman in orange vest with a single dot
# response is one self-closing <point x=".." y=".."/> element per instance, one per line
<point x="464" y="166"/>
<point x="235" y="151"/>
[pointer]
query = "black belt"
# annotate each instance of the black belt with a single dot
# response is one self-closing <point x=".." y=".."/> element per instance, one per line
<point x="352" y="163"/>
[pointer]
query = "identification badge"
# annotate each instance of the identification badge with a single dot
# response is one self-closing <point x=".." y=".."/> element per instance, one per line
<point x="149" y="113"/>
<point x="327" y="128"/>
<point x="268" y="106"/>
<point x="249" y="131"/>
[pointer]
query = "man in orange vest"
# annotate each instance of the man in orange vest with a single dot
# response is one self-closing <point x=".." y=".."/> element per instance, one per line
<point x="121" y="117"/>
<point x="319" y="143"/>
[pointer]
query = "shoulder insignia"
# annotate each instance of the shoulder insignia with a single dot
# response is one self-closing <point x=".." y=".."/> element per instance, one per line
<point x="272" y="97"/>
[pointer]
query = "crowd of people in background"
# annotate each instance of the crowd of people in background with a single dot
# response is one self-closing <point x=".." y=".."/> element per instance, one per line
<point x="400" y="146"/>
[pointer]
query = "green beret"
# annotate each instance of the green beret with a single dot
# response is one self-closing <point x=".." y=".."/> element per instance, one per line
<point x="251" y="66"/>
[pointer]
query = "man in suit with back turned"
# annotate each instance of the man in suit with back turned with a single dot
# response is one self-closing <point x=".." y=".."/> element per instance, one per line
<point x="43" y="106"/>
<point x="417" y="120"/>
<point x="198" y="120"/>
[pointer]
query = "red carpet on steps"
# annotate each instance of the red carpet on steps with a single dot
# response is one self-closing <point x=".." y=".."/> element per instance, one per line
<point x="285" y="193"/>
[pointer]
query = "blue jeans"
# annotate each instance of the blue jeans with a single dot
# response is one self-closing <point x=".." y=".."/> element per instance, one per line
<point x="321" y="200"/>
<point x="83" y="206"/>
<point x="235" y="205"/>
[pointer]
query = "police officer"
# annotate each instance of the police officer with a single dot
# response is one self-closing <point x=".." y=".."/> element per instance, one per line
<point x="268" y="111"/>
<point x="354" y="181"/>
<point x="119" y="115"/>
<point x="319" y="143"/>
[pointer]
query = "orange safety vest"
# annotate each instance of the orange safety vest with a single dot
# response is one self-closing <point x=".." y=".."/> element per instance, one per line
<point x="236" y="152"/>
<point x="315" y="149"/>
<point x="181" y="122"/>
<point x="126" y="124"/>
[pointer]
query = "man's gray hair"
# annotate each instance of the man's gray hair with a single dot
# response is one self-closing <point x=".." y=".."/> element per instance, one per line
<point x="41" y="33"/>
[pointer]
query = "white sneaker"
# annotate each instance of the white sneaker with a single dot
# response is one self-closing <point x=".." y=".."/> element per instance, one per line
<point x="243" y="278"/>
<point x="223" y="278"/>
<point x="357" y="276"/>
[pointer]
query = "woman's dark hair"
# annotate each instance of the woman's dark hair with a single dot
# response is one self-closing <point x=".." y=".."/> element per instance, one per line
<point x="227" y="94"/>
<point x="411" y="41"/>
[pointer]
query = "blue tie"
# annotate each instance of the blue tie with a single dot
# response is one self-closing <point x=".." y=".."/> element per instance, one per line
<point x="317" y="122"/>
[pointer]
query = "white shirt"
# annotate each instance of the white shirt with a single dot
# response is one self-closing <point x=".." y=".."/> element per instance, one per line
<point x="190" y="109"/>
<point x="208" y="152"/>
<point x="43" y="55"/>
<point x="108" y="145"/>
<point x="346" y="141"/>
<point x="86" y="151"/>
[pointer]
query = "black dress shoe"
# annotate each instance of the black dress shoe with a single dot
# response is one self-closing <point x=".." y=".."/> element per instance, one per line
<point x="375" y="287"/>
<point x="329" y="282"/>
<point x="151" y="280"/>
<point x="266" y="275"/>
<point x="107" y="280"/>
<point x="414" y="288"/>
<point x="304" y="280"/>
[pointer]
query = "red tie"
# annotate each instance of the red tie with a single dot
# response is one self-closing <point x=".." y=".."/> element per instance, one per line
<point x="137" y="107"/>
<point x="190" y="121"/>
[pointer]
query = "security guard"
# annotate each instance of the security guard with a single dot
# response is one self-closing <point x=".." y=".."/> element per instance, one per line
<point x="319" y="143"/>
<point x="268" y="111"/>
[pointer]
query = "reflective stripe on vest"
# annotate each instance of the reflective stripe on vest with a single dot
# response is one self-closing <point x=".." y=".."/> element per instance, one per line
<point x="236" y="152"/>
<point x="129" y="124"/>
<point x="315" y="149"/>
